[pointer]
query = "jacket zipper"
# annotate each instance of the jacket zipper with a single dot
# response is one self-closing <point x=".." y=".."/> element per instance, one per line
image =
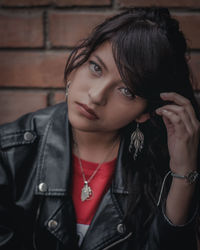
<point x="119" y="241"/>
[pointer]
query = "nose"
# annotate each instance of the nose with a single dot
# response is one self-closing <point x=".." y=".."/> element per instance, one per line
<point x="98" y="93"/>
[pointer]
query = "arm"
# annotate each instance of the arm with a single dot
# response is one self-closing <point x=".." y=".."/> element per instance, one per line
<point x="174" y="226"/>
<point x="179" y="200"/>
<point x="183" y="141"/>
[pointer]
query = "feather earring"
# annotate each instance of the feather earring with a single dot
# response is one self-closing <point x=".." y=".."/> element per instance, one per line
<point x="137" y="142"/>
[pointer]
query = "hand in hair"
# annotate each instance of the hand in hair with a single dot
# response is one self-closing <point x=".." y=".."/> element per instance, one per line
<point x="183" y="130"/>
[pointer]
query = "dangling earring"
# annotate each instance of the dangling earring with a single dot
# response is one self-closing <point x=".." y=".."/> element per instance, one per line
<point x="67" y="88"/>
<point x="137" y="141"/>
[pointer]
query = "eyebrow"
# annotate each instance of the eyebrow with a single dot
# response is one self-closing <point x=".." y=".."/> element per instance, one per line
<point x="101" y="62"/>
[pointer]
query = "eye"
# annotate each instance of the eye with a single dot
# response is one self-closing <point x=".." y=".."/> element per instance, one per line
<point x="126" y="92"/>
<point x="95" y="68"/>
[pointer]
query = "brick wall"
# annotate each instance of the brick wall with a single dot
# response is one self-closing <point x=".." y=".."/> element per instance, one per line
<point x="36" y="36"/>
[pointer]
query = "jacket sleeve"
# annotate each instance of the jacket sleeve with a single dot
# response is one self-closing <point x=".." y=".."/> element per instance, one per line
<point x="164" y="235"/>
<point x="7" y="227"/>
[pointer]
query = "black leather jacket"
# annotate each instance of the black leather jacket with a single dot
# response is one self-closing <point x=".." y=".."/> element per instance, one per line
<point x="36" y="209"/>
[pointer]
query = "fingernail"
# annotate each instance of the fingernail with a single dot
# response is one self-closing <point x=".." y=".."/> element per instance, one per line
<point x="165" y="111"/>
<point x="164" y="94"/>
<point x="159" y="111"/>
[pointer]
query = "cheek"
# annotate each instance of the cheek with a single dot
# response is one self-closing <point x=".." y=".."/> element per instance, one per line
<point x="79" y="75"/>
<point x="121" y="117"/>
<point x="75" y="90"/>
<point x="123" y="113"/>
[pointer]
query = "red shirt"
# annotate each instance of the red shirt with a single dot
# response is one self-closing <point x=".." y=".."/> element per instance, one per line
<point x="99" y="184"/>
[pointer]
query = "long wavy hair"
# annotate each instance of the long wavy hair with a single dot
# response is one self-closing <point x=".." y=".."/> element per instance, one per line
<point x="150" y="52"/>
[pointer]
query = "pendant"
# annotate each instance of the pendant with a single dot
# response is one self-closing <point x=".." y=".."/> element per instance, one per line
<point x="86" y="192"/>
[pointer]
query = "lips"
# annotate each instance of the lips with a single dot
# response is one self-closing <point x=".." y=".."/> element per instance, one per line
<point x="87" y="112"/>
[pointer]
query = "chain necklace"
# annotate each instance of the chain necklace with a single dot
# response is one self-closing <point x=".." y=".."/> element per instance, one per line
<point x="86" y="192"/>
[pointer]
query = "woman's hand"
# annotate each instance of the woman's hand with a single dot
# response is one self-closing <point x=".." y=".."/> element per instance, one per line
<point x="183" y="130"/>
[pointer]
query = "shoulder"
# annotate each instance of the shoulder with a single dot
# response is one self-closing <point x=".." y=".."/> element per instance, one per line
<point x="28" y="127"/>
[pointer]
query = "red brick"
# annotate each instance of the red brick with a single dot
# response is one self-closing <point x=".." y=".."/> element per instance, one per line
<point x="160" y="3"/>
<point x="59" y="96"/>
<point x="195" y="66"/>
<point x="66" y="29"/>
<point x="20" y="3"/>
<point x="190" y="24"/>
<point x="83" y="2"/>
<point x="32" y="69"/>
<point x="16" y="103"/>
<point x="21" y="29"/>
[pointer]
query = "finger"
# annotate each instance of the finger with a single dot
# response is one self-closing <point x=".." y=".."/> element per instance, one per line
<point x="180" y="111"/>
<point x="168" y="124"/>
<point x="182" y="101"/>
<point x="175" y="97"/>
<point x="176" y="121"/>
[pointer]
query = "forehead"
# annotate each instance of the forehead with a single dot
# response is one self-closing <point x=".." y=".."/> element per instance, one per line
<point x="105" y="53"/>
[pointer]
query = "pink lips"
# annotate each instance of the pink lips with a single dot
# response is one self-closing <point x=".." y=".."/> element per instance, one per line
<point x="87" y="112"/>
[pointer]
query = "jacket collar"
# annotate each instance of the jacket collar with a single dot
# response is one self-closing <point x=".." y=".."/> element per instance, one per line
<point x="54" y="172"/>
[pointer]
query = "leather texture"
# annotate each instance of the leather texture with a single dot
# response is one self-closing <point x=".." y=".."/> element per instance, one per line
<point x="36" y="208"/>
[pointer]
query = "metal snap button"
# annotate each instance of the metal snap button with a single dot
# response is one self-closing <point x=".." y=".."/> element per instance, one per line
<point x="42" y="187"/>
<point x="121" y="228"/>
<point x="52" y="224"/>
<point x="28" y="136"/>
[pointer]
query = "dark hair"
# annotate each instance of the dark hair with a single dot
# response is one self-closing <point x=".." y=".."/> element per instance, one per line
<point x="150" y="52"/>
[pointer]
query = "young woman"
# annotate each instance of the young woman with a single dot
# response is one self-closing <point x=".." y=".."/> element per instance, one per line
<point x="116" y="166"/>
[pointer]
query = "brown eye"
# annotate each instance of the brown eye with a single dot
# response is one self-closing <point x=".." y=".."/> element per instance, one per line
<point x="95" y="68"/>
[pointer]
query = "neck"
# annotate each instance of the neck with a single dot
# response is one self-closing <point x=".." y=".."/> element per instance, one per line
<point x="93" y="146"/>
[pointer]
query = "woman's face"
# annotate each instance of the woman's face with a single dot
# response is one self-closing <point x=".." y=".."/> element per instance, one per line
<point x="98" y="100"/>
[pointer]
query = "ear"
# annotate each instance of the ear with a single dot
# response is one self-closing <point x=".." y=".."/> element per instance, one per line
<point x="142" y="118"/>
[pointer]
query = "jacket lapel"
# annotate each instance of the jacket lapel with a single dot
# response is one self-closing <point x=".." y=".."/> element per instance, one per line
<point x="54" y="162"/>
<point x="54" y="177"/>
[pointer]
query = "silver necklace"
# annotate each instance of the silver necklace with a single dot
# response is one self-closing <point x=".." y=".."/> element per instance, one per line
<point x="86" y="192"/>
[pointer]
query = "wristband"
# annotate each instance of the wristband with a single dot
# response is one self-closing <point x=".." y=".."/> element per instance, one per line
<point x="190" y="178"/>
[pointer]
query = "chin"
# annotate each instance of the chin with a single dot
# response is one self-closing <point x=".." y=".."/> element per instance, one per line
<point x="87" y="129"/>
<point x="82" y="124"/>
